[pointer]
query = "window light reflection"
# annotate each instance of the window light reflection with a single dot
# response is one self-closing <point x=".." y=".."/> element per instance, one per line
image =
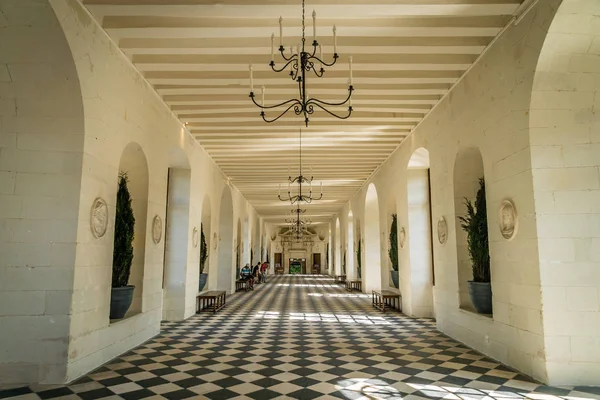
<point x="325" y="317"/>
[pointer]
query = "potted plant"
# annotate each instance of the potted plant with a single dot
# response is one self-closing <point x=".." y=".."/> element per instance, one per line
<point x="203" y="258"/>
<point x="393" y="251"/>
<point x="475" y="225"/>
<point x="121" y="294"/>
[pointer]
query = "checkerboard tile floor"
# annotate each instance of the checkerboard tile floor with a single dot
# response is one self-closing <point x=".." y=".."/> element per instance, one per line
<point x="302" y="337"/>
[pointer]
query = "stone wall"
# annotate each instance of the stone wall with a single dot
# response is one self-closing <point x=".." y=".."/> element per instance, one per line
<point x="565" y="156"/>
<point x="488" y="110"/>
<point x="41" y="148"/>
<point x="72" y="107"/>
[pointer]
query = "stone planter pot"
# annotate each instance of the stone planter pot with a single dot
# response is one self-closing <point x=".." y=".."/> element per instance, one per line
<point x="120" y="301"/>
<point x="202" y="282"/>
<point x="394" y="278"/>
<point x="481" y="296"/>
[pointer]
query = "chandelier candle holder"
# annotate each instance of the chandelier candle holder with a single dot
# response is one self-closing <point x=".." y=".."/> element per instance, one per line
<point x="300" y="180"/>
<point x="303" y="62"/>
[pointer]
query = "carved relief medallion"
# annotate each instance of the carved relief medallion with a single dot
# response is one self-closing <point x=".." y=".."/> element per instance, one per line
<point x="442" y="227"/>
<point x="402" y="237"/>
<point x="156" y="229"/>
<point x="508" y="219"/>
<point x="99" y="217"/>
<point x="195" y="237"/>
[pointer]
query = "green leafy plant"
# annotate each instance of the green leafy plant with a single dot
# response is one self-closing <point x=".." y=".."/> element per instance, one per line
<point x="203" y="249"/>
<point x="359" y="257"/>
<point x="124" y="234"/>
<point x="475" y="225"/>
<point x="393" y="251"/>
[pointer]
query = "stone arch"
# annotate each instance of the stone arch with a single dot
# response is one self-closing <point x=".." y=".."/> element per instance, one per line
<point x="206" y="227"/>
<point x="350" y="270"/>
<point x="225" y="270"/>
<point x="468" y="169"/>
<point x="391" y="208"/>
<point x="256" y="242"/>
<point x="372" y="267"/>
<point x="47" y="163"/>
<point x="239" y="248"/>
<point x="133" y="163"/>
<point x="418" y="300"/>
<point x="246" y="241"/>
<point x="338" y="248"/>
<point x="565" y="147"/>
<point x="177" y="236"/>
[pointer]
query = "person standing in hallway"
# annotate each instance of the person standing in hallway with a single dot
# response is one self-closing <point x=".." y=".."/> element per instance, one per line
<point x="255" y="271"/>
<point x="263" y="271"/>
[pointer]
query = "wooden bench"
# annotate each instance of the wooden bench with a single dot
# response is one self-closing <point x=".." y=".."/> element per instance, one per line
<point x="242" y="285"/>
<point x="386" y="298"/>
<point x="214" y="300"/>
<point x="354" y="285"/>
<point x="339" y="278"/>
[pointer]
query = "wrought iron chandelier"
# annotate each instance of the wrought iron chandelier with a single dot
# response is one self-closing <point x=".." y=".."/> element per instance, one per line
<point x="300" y="180"/>
<point x="302" y="62"/>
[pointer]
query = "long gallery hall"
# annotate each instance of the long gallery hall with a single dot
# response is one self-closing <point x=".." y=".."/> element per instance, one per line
<point x="256" y="199"/>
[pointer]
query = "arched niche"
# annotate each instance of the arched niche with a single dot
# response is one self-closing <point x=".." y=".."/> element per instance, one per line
<point x="225" y="270"/>
<point x="386" y="264"/>
<point x="133" y="163"/>
<point x="338" y="248"/>
<point x="329" y="253"/>
<point x="468" y="169"/>
<point x="372" y="265"/>
<point x="239" y="248"/>
<point x="350" y="270"/>
<point x="246" y="241"/>
<point x="418" y="300"/>
<point x="206" y="228"/>
<point x="177" y="235"/>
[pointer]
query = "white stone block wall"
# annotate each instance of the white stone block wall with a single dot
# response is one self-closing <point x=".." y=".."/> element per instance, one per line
<point x="565" y="154"/>
<point x="70" y="103"/>
<point x="41" y="145"/>
<point x="488" y="109"/>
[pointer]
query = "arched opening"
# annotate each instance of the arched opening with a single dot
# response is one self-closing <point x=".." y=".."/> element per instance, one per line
<point x="133" y="163"/>
<point x="393" y="250"/>
<point x="256" y="243"/>
<point x="239" y="248"/>
<point x="45" y="215"/>
<point x="350" y="257"/>
<point x="205" y="248"/>
<point x="177" y="236"/>
<point x="565" y="155"/>
<point x="225" y="278"/>
<point x="338" y="248"/>
<point x="372" y="275"/>
<point x="246" y="243"/>
<point x="329" y="257"/>
<point x="419" y="299"/>
<point x="468" y="170"/>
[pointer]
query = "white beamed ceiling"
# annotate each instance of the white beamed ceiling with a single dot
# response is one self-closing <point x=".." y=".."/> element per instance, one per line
<point x="406" y="55"/>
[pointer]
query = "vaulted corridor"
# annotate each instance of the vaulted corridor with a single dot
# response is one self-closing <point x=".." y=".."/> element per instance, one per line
<point x="302" y="337"/>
